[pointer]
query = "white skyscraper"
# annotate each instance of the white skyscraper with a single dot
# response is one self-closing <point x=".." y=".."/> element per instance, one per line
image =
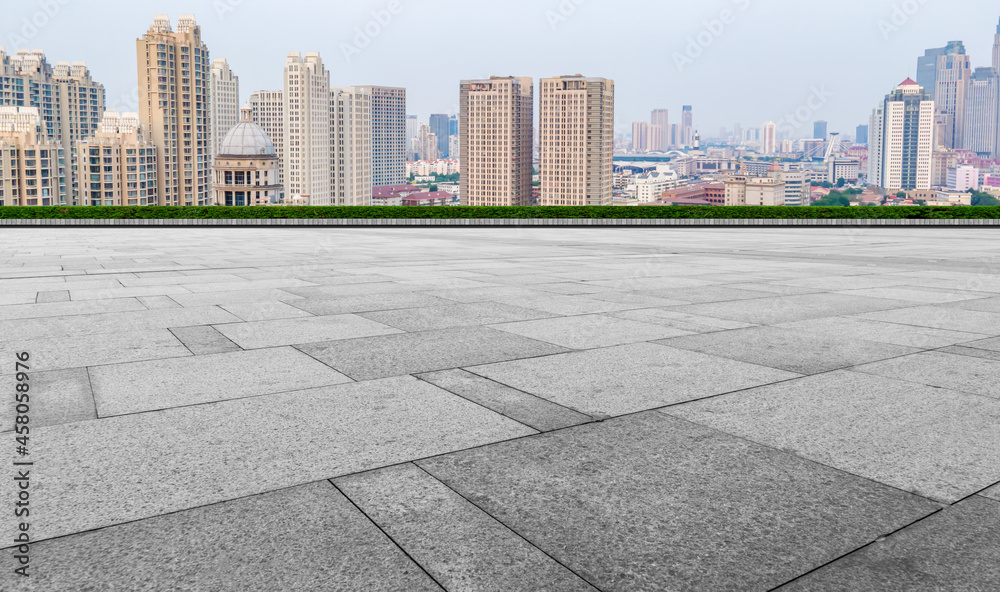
<point x="901" y="142"/>
<point x="307" y="129"/>
<point x="389" y="145"/>
<point x="225" y="100"/>
<point x="351" y="145"/>
<point x="769" y="138"/>
<point x="268" y="111"/>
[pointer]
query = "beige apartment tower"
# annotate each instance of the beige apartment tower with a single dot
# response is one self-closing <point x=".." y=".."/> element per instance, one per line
<point x="307" y="129"/>
<point x="576" y="132"/>
<point x="32" y="170"/>
<point x="175" y="109"/>
<point x="118" y="165"/>
<point x="496" y="141"/>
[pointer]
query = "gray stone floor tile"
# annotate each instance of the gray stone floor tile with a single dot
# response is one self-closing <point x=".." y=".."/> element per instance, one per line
<point x="460" y="545"/>
<point x="787" y="309"/>
<point x="158" y="302"/>
<point x="117" y="322"/>
<point x="633" y="298"/>
<point x="896" y="334"/>
<point x="280" y="332"/>
<point x="933" y="442"/>
<point x="967" y="374"/>
<point x="590" y="331"/>
<point x="79" y="295"/>
<point x="177" y="279"/>
<point x="992" y="493"/>
<point x="236" y="297"/>
<point x="52" y="296"/>
<point x="991" y="344"/>
<point x="793" y="350"/>
<point x="653" y="503"/>
<point x="453" y="315"/>
<point x="266" y="311"/>
<point x="956" y="549"/>
<point x="241" y="284"/>
<point x="370" y="290"/>
<point x="680" y="321"/>
<point x="9" y="298"/>
<point x="119" y="469"/>
<point x="204" y="340"/>
<point x="412" y="353"/>
<point x="629" y="378"/>
<point x="80" y="351"/>
<point x="56" y="397"/>
<point x="528" y="409"/>
<point x="941" y="317"/>
<point x="775" y="288"/>
<point x="984" y="354"/>
<point x="982" y="305"/>
<point x="508" y="294"/>
<point x="641" y="283"/>
<point x="305" y="538"/>
<point x="572" y="305"/>
<point x="915" y="294"/>
<point x="373" y="303"/>
<point x="707" y="294"/>
<point x="121" y="389"/>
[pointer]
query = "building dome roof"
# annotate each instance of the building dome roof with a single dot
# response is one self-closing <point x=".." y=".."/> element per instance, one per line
<point x="247" y="139"/>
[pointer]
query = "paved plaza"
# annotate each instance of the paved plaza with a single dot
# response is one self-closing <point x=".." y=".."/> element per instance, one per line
<point x="505" y="409"/>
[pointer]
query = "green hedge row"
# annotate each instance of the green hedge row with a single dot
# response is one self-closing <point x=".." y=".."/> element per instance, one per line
<point x="709" y="212"/>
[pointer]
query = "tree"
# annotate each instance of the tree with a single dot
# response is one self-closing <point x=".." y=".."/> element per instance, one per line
<point x="432" y="188"/>
<point x="841" y="182"/>
<point x="981" y="198"/>
<point x="834" y="199"/>
<point x="902" y="195"/>
<point x="826" y="185"/>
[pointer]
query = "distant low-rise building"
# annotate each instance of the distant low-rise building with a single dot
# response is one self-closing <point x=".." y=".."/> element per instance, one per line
<point x="430" y="198"/>
<point x="392" y="195"/>
<point x="754" y="191"/>
<point x="246" y="170"/>
<point x="650" y="187"/>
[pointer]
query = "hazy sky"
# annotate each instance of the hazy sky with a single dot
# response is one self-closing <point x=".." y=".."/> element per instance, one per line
<point x="762" y="60"/>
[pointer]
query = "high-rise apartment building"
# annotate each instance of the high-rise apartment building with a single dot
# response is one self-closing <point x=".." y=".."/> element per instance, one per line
<point x="351" y="145"/>
<point x="224" y="92"/>
<point x="496" y="141"/>
<point x="388" y="135"/>
<point x="441" y="128"/>
<point x="307" y="129"/>
<point x="954" y="72"/>
<point x="577" y="118"/>
<point x="687" y="125"/>
<point x="70" y="103"/>
<point x="982" y="109"/>
<point x="268" y="111"/>
<point x="175" y="109"/>
<point x="32" y="164"/>
<point x="427" y="144"/>
<point x="901" y="142"/>
<point x="640" y="136"/>
<point x="661" y="117"/>
<point x="117" y="165"/>
<point x="769" y="138"/>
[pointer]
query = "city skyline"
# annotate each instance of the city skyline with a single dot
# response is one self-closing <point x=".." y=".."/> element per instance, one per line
<point x="676" y="79"/>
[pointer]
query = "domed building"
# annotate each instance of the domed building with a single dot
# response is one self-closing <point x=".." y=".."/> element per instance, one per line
<point x="246" y="169"/>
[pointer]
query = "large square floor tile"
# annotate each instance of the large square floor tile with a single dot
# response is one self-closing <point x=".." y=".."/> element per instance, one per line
<point x="653" y="503"/>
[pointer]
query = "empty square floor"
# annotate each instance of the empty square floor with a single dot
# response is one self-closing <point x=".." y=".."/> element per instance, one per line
<point x="504" y="409"/>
